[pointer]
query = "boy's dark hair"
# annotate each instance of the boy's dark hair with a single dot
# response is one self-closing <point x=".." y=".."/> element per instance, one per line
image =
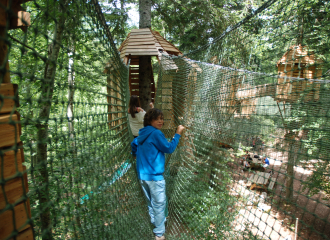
<point x="152" y="114"/>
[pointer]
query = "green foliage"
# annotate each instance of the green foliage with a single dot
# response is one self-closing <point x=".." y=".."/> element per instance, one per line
<point x="205" y="209"/>
<point x="191" y="23"/>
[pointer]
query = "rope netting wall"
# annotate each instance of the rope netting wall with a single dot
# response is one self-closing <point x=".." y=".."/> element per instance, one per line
<point x="262" y="91"/>
<point x="72" y="114"/>
<point x="263" y="86"/>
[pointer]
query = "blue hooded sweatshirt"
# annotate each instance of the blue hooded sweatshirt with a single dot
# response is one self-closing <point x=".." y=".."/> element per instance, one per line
<point x="150" y="148"/>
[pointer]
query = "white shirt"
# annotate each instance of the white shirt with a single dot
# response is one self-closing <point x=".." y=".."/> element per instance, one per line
<point x="136" y="123"/>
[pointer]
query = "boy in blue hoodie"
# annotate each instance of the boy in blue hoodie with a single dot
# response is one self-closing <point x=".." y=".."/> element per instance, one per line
<point x="150" y="148"/>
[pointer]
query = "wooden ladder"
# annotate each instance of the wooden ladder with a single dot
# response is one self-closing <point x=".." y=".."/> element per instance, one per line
<point x="134" y="79"/>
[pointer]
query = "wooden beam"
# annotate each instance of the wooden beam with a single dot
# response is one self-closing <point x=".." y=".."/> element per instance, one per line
<point x="6" y="220"/>
<point x="25" y="235"/>
<point x="142" y="47"/>
<point x="142" y="54"/>
<point x="3" y="56"/>
<point x="141" y="43"/>
<point x="141" y="39"/>
<point x="14" y="190"/>
<point x="10" y="134"/>
<point x="7" y="90"/>
<point x="3" y="14"/>
<point x="141" y="30"/>
<point x="10" y="160"/>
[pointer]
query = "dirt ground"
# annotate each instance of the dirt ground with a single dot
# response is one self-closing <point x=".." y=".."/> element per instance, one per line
<point x="313" y="212"/>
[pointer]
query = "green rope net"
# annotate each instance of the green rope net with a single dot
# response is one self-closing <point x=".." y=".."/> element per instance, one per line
<point x="263" y="86"/>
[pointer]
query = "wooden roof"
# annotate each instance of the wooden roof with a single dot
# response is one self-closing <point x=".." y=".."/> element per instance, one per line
<point x="298" y="54"/>
<point x="145" y="42"/>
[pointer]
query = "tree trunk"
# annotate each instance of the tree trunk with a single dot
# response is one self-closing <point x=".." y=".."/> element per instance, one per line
<point x="145" y="13"/>
<point x="42" y="128"/>
<point x="145" y="70"/>
<point x="70" y="97"/>
<point x="293" y="146"/>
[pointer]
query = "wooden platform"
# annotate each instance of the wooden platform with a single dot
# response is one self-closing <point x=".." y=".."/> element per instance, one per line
<point x="260" y="180"/>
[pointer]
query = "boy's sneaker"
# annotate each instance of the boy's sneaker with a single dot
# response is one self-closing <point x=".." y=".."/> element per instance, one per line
<point x="160" y="238"/>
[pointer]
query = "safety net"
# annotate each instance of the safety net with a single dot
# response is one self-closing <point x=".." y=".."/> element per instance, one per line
<point x="252" y="163"/>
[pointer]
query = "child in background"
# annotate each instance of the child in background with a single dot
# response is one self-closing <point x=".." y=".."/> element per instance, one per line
<point x="136" y="114"/>
<point x="150" y="148"/>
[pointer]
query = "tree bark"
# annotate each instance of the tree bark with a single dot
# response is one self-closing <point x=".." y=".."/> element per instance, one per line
<point x="42" y="128"/>
<point x="293" y="150"/>
<point x="145" y="69"/>
<point x="145" y="74"/>
<point x="145" y="13"/>
<point x="70" y="96"/>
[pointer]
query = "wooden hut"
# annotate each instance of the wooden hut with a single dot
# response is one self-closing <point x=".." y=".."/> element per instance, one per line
<point x="144" y="42"/>
<point x="296" y="66"/>
<point x="14" y="218"/>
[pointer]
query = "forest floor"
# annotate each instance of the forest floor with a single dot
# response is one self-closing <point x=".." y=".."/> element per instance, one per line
<point x="313" y="212"/>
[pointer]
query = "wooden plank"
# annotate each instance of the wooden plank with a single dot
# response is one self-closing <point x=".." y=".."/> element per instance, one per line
<point x="6" y="220"/>
<point x="8" y="131"/>
<point x="272" y="183"/>
<point x="139" y="33"/>
<point x="261" y="178"/>
<point x="169" y="48"/>
<point x="135" y="81"/>
<point x="140" y="43"/>
<point x="249" y="182"/>
<point x="14" y="191"/>
<point x="146" y="36"/>
<point x="255" y="178"/>
<point x="172" y="49"/>
<point x="142" y="47"/>
<point x="134" y="87"/>
<point x="176" y="52"/>
<point x="138" y="40"/>
<point x="135" y="62"/>
<point x="141" y="30"/>
<point x="134" y="70"/>
<point x="25" y="235"/>
<point x="10" y="159"/>
<point x="142" y="50"/>
<point x="7" y="90"/>
<point x="266" y="177"/>
<point x="142" y="53"/>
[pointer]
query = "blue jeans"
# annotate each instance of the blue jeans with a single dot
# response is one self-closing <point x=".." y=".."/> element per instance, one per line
<point x="156" y="199"/>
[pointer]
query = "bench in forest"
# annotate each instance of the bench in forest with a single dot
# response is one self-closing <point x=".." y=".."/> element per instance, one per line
<point x="260" y="180"/>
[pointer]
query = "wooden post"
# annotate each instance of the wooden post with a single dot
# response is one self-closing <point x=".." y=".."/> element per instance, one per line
<point x="12" y="172"/>
<point x="4" y="78"/>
